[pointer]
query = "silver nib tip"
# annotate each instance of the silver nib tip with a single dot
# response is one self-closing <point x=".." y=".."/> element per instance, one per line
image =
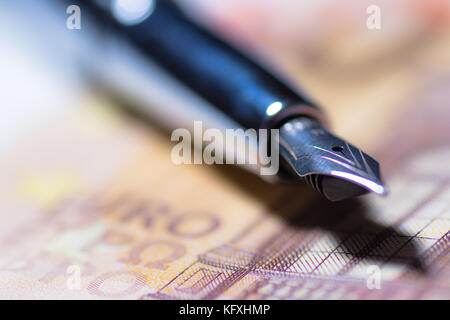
<point x="332" y="166"/>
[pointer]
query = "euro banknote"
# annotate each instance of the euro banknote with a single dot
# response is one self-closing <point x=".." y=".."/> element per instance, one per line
<point x="92" y="206"/>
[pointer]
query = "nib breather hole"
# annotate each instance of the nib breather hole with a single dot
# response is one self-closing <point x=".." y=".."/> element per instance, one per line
<point x="337" y="148"/>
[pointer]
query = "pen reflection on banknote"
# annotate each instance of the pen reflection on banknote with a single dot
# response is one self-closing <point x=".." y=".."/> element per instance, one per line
<point x="93" y="207"/>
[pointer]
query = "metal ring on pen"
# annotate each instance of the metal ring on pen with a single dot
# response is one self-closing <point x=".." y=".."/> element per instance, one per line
<point x="298" y="110"/>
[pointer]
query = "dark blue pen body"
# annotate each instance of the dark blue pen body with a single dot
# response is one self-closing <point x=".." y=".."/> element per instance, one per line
<point x="213" y="69"/>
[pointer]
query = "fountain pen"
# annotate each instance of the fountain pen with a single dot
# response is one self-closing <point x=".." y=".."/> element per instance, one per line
<point x="232" y="82"/>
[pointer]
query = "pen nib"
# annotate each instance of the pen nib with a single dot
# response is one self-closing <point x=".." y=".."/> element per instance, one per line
<point x="332" y="166"/>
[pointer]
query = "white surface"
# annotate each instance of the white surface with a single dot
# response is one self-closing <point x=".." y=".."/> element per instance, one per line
<point x="37" y="78"/>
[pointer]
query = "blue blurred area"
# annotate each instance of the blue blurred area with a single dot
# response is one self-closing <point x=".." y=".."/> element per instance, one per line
<point x="38" y="59"/>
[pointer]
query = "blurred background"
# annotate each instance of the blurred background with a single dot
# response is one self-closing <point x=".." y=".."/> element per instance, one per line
<point x="372" y="83"/>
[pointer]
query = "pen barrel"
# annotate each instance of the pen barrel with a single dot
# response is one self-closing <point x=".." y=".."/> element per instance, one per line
<point x="215" y="70"/>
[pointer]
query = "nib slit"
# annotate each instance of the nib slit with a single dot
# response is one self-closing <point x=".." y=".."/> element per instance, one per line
<point x="308" y="151"/>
